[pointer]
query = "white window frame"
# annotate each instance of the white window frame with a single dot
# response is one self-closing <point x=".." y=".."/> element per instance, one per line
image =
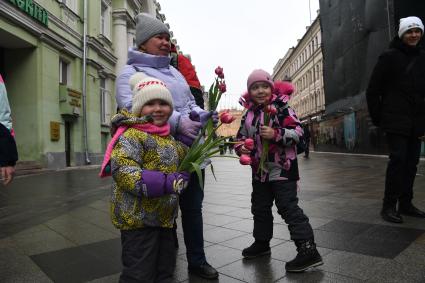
<point x="64" y="65"/>
<point x="105" y="102"/>
<point x="105" y="19"/>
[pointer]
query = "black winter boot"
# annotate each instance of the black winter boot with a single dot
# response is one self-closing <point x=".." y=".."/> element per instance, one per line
<point x="307" y="257"/>
<point x="258" y="248"/>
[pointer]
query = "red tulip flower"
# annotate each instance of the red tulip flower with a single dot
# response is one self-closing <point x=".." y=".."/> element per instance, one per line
<point x="226" y="117"/>
<point x="249" y="144"/>
<point x="222" y="87"/>
<point x="271" y="109"/>
<point x="245" y="159"/>
<point x="219" y="72"/>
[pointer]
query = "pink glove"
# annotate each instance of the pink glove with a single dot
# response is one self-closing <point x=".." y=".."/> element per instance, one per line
<point x="188" y="127"/>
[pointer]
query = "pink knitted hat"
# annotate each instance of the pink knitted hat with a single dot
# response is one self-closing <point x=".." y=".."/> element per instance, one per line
<point x="259" y="76"/>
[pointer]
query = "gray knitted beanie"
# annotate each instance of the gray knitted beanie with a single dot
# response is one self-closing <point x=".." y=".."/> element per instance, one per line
<point x="147" y="26"/>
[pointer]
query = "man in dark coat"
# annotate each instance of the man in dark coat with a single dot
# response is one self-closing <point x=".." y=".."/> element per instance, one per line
<point x="395" y="99"/>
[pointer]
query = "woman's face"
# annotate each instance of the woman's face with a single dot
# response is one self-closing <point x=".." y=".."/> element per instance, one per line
<point x="157" y="45"/>
<point x="159" y="110"/>
<point x="412" y="36"/>
<point x="260" y="92"/>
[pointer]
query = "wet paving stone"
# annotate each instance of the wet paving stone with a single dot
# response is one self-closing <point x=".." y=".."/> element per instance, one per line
<point x="83" y="263"/>
<point x="63" y="233"/>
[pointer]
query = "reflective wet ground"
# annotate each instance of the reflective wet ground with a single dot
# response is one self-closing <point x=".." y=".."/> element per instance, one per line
<point x="55" y="227"/>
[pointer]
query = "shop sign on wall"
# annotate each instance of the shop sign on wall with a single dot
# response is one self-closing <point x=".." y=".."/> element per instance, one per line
<point x="55" y="131"/>
<point x="32" y="9"/>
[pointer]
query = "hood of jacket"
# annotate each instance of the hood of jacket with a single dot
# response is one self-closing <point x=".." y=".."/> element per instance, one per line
<point x="126" y="118"/>
<point x="141" y="59"/>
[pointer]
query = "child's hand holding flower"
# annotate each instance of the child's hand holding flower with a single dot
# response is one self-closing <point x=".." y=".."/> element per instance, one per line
<point x="266" y="132"/>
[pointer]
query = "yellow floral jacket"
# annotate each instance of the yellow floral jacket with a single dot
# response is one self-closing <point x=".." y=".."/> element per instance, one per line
<point x="134" y="151"/>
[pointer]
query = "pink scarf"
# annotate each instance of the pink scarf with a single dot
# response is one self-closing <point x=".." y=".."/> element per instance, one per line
<point x="149" y="128"/>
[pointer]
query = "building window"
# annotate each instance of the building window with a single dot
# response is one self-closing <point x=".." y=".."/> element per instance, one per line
<point x="64" y="73"/>
<point x="105" y="20"/>
<point x="105" y="103"/>
<point x="72" y="5"/>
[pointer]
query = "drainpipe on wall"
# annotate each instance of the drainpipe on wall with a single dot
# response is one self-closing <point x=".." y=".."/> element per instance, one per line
<point x="86" y="146"/>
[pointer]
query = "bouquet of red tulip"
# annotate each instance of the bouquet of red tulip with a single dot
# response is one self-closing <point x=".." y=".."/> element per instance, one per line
<point x="207" y="144"/>
<point x="267" y="110"/>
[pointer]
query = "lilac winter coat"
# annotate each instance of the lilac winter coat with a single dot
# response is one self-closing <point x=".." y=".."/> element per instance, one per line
<point x="158" y="67"/>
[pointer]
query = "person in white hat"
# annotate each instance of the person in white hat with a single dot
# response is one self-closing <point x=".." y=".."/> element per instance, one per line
<point x="396" y="102"/>
<point x="142" y="159"/>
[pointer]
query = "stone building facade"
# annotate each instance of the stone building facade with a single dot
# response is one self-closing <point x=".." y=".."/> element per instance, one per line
<point x="61" y="97"/>
<point x="303" y="65"/>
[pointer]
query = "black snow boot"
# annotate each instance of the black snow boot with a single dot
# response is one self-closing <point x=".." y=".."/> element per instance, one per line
<point x="307" y="257"/>
<point x="258" y="248"/>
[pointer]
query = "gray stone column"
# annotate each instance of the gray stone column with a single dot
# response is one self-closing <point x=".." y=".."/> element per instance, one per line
<point x="120" y="39"/>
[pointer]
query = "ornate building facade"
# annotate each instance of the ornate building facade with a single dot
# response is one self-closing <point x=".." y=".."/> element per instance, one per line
<point x="59" y="60"/>
<point x="303" y="65"/>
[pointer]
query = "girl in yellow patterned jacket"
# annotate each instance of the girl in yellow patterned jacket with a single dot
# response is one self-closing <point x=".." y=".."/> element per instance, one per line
<point x="143" y="158"/>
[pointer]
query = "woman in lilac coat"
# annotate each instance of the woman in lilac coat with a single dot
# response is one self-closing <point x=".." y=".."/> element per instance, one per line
<point x="152" y="58"/>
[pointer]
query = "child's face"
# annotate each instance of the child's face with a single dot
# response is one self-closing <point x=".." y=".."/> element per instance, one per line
<point x="260" y="92"/>
<point x="159" y="110"/>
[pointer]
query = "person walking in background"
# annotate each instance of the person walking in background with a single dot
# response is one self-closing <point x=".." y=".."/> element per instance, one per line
<point x="151" y="56"/>
<point x="307" y="138"/>
<point x="143" y="159"/>
<point x="396" y="103"/>
<point x="231" y="144"/>
<point x="278" y="182"/>
<point x="8" y="151"/>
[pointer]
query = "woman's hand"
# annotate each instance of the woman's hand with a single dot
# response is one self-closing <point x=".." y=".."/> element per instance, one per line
<point x="266" y="132"/>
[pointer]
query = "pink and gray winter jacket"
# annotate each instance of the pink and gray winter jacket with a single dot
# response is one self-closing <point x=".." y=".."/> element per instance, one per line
<point x="282" y="161"/>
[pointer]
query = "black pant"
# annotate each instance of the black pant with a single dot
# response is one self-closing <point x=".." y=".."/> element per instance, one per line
<point x="284" y="193"/>
<point x="192" y="223"/>
<point x="148" y="255"/>
<point x="401" y="170"/>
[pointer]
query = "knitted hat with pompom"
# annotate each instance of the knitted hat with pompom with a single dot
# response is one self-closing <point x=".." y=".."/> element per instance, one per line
<point x="146" y="89"/>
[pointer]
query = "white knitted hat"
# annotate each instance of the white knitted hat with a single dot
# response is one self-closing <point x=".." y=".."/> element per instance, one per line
<point x="409" y="23"/>
<point x="146" y="89"/>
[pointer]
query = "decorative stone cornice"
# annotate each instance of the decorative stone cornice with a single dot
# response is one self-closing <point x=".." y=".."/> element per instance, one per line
<point x="97" y="46"/>
<point x="60" y="24"/>
<point x="107" y="73"/>
<point x="122" y="14"/>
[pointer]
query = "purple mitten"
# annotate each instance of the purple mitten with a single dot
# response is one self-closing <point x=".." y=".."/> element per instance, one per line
<point x="184" y="139"/>
<point x="194" y="116"/>
<point x="176" y="182"/>
<point x="204" y="116"/>
<point x="188" y="127"/>
<point x="215" y="118"/>
<point x="152" y="183"/>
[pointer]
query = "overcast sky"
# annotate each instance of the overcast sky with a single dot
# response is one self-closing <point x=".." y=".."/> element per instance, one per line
<point x="238" y="35"/>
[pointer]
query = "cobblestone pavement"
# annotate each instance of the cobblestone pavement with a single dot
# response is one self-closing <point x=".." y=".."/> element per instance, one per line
<point x="55" y="227"/>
